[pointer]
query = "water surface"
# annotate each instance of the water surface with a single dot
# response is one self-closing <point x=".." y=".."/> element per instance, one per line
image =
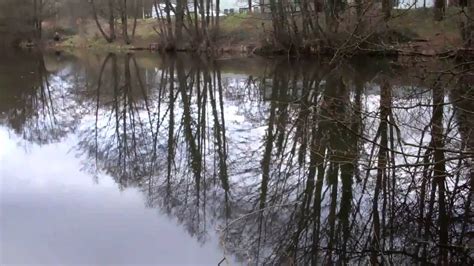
<point x="149" y="159"/>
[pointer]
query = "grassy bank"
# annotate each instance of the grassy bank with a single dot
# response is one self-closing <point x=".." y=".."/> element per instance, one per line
<point x="429" y="36"/>
<point x="244" y="33"/>
<point x="236" y="31"/>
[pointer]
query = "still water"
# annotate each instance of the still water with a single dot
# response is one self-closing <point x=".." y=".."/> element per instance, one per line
<point x="141" y="159"/>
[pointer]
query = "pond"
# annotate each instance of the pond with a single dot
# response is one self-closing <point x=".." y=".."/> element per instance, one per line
<point x="181" y="160"/>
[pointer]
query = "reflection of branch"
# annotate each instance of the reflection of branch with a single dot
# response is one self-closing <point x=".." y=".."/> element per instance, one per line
<point x="99" y="86"/>
<point x="326" y="132"/>
<point x="228" y="225"/>
<point x="256" y="212"/>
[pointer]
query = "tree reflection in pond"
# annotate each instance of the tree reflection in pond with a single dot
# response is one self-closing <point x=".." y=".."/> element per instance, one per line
<point x="296" y="163"/>
<point x="31" y="99"/>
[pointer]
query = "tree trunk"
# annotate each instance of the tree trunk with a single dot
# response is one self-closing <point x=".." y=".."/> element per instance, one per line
<point x="179" y="15"/>
<point x="202" y="12"/>
<point x="387" y="9"/>
<point x="108" y="38"/>
<point x="332" y="11"/>
<point x="137" y="11"/>
<point x="37" y="17"/>
<point x="124" y="19"/>
<point x="217" y="17"/>
<point x="439" y="9"/>
<point x="469" y="32"/>
<point x="111" y="21"/>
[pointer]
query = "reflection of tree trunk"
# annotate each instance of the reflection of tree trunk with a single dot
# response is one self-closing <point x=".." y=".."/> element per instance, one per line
<point x="352" y="169"/>
<point x="464" y="108"/>
<point x="116" y="100"/>
<point x="221" y="102"/>
<point x="46" y="89"/>
<point x="334" y="110"/>
<point x="347" y="173"/>
<point x="196" y="160"/>
<point x="439" y="171"/>
<point x="302" y="125"/>
<point x="317" y="156"/>
<point x="219" y="136"/>
<point x="267" y="154"/>
<point x="266" y="163"/>
<point x="126" y="103"/>
<point x="385" y="103"/>
<point x="303" y="216"/>
<point x="333" y="182"/>
<point x="302" y="128"/>
<point x="282" y="116"/>
<point x="422" y="200"/>
<point x="318" y="151"/>
<point x="348" y="166"/>
<point x="171" y="125"/>
<point x="429" y="215"/>
<point x="99" y="86"/>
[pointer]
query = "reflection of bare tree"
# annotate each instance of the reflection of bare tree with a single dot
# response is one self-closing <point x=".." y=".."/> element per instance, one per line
<point x="300" y="164"/>
<point x="382" y="173"/>
<point x="144" y="138"/>
<point x="380" y="231"/>
<point x="462" y="97"/>
<point x="39" y="113"/>
<point x="119" y="141"/>
<point x="335" y="167"/>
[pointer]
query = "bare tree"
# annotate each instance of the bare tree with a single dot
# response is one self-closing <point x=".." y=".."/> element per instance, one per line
<point x="111" y="20"/>
<point x="439" y="9"/>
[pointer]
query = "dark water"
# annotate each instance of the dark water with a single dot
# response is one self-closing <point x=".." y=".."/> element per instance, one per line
<point x="149" y="159"/>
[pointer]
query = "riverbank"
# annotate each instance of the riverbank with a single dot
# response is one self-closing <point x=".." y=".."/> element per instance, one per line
<point x="409" y="32"/>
